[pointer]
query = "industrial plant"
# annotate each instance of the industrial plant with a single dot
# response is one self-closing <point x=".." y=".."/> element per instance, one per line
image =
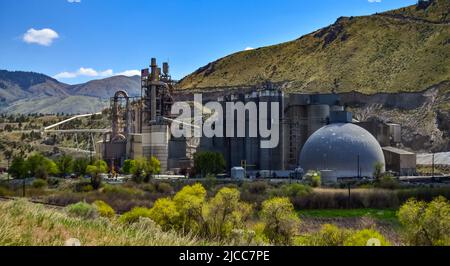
<point x="316" y="132"/>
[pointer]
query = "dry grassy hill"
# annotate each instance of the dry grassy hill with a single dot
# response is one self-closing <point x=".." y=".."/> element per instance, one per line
<point x="402" y="50"/>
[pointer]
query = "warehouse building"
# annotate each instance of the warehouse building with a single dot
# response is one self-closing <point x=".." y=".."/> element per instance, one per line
<point x="400" y="161"/>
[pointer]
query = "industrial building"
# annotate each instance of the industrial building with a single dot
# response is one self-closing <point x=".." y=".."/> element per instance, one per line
<point x="140" y="126"/>
<point x="300" y="116"/>
<point x="400" y="161"/>
<point x="315" y="133"/>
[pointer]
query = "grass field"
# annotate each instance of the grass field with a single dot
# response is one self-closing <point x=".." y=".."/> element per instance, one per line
<point x="27" y="224"/>
<point x="380" y="214"/>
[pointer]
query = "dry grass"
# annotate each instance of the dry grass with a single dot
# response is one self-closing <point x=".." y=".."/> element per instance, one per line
<point x="27" y="224"/>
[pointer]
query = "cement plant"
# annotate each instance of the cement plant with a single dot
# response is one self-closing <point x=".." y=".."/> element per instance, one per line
<point x="340" y="137"/>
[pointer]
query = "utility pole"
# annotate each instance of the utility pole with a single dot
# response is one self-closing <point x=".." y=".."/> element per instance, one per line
<point x="359" y="169"/>
<point x="432" y="158"/>
<point x="432" y="170"/>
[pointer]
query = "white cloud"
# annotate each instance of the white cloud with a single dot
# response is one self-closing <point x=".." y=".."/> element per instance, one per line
<point x="43" y="37"/>
<point x="74" y="1"/>
<point x="90" y="72"/>
<point x="374" y="1"/>
<point x="249" y="48"/>
<point x="130" y="73"/>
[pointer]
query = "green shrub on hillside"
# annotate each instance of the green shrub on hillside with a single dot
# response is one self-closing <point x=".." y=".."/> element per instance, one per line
<point x="281" y="221"/>
<point x="83" y="210"/>
<point x="329" y="235"/>
<point x="426" y="224"/>
<point x="104" y="209"/>
<point x="226" y="212"/>
<point x="190" y="202"/>
<point x="165" y="213"/>
<point x="164" y="188"/>
<point x="39" y="183"/>
<point x="366" y="237"/>
<point x="134" y="215"/>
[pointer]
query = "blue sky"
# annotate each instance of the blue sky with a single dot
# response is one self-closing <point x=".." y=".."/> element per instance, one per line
<point x="80" y="40"/>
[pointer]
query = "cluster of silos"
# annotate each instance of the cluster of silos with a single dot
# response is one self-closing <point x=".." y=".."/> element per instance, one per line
<point x="246" y="150"/>
<point x="305" y="114"/>
<point x="300" y="115"/>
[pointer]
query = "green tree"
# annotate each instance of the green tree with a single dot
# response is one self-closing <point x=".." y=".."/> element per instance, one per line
<point x="226" y="212"/>
<point x="40" y="166"/>
<point x="281" y="221"/>
<point x="18" y="168"/>
<point x="143" y="170"/>
<point x="426" y="224"/>
<point x="138" y="170"/>
<point x="94" y="170"/>
<point x="209" y="163"/>
<point x="79" y="166"/>
<point x="65" y="164"/>
<point x="127" y="166"/>
<point x="378" y="170"/>
<point x="154" y="167"/>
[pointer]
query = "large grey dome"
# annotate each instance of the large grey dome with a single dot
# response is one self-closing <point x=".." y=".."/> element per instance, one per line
<point x="338" y="149"/>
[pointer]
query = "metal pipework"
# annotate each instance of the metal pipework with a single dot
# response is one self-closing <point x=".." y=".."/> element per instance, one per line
<point x="115" y="114"/>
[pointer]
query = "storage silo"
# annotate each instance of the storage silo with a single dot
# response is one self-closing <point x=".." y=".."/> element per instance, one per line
<point x="317" y="117"/>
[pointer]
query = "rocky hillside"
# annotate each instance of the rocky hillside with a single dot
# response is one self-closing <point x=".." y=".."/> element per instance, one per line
<point x="28" y="92"/>
<point x="401" y="50"/>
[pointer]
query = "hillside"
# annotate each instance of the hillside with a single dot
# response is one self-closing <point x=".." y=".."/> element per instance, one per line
<point x="105" y="88"/>
<point x="402" y="50"/>
<point x="18" y="85"/>
<point x="29" y="92"/>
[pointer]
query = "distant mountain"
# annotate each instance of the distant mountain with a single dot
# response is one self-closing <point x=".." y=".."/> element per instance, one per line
<point x="29" y="92"/>
<point x="105" y="88"/>
<point x="19" y="85"/>
<point x="407" y="49"/>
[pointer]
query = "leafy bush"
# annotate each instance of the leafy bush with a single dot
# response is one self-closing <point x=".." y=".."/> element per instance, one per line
<point x="190" y="201"/>
<point x="83" y="186"/>
<point x="295" y="190"/>
<point x="387" y="181"/>
<point x="143" y="169"/>
<point x="83" y="210"/>
<point x="104" y="209"/>
<point x="5" y="192"/>
<point x="165" y="213"/>
<point x="209" y="163"/>
<point x="134" y="215"/>
<point x="127" y="166"/>
<point x="164" y="188"/>
<point x="121" y="190"/>
<point x="329" y="235"/>
<point x="94" y="170"/>
<point x="426" y="224"/>
<point x="226" y="212"/>
<point x="53" y="181"/>
<point x="313" y="179"/>
<point x="39" y="183"/>
<point x="258" y="187"/>
<point x="281" y="221"/>
<point x="363" y="237"/>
